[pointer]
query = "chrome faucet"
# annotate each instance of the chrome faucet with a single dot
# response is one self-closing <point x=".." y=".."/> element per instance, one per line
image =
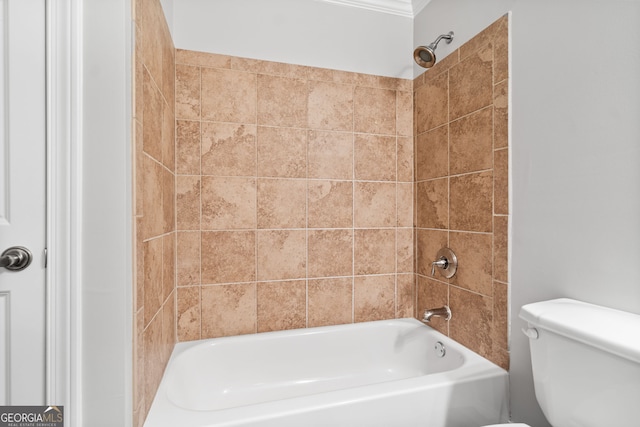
<point x="437" y="312"/>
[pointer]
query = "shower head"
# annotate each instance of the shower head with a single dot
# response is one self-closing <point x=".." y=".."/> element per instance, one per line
<point x="425" y="56"/>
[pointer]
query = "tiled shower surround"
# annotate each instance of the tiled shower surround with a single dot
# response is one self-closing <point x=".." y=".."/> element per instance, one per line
<point x="153" y="127"/>
<point x="294" y="196"/>
<point x="462" y="196"/>
<point x="272" y="196"/>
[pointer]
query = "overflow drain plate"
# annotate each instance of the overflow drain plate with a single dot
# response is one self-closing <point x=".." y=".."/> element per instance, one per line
<point x="439" y="349"/>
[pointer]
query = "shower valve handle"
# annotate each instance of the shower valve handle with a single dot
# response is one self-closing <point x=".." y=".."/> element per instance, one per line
<point x="446" y="261"/>
<point x="441" y="263"/>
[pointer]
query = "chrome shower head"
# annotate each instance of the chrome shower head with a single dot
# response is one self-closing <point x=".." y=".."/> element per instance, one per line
<point x="425" y="56"/>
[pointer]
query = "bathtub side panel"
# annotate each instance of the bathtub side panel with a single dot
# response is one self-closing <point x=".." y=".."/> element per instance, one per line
<point x="472" y="393"/>
<point x="480" y="402"/>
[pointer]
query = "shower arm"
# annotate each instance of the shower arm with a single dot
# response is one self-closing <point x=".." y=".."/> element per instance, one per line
<point x="447" y="37"/>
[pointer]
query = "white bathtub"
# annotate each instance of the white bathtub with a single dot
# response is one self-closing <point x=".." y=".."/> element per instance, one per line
<point x="385" y="373"/>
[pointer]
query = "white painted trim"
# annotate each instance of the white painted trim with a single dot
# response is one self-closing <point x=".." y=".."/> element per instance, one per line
<point x="407" y="8"/>
<point x="75" y="211"/>
<point x="56" y="239"/>
<point x="63" y="83"/>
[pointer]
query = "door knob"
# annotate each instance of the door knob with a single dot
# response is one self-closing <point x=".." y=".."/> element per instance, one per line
<point x="16" y="258"/>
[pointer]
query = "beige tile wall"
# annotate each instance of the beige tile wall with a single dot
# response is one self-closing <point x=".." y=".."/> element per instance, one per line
<point x="154" y="176"/>
<point x="294" y="196"/>
<point x="461" y="155"/>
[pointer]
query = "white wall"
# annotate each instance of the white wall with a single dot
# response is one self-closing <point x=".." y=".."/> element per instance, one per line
<point x="575" y="160"/>
<point x="304" y="32"/>
<point x="167" y="8"/>
<point x="105" y="215"/>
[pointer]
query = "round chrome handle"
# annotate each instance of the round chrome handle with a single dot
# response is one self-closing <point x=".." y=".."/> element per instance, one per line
<point x="441" y="263"/>
<point x="447" y="263"/>
<point x="16" y="258"/>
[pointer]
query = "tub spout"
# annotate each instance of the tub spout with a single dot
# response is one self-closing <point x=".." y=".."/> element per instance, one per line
<point x="437" y="312"/>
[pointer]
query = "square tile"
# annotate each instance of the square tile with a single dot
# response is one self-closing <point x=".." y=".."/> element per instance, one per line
<point x="330" y="253"/>
<point x="228" y="149"/>
<point x="330" y="204"/>
<point x="330" y="301"/>
<point x="330" y="155"/>
<point x="330" y="106"/>
<point x="432" y="104"/>
<point x="375" y="110"/>
<point x="282" y="152"/>
<point x="282" y="203"/>
<point x="375" y="251"/>
<point x="228" y="96"/>
<point x="472" y="320"/>
<point x="375" y="204"/>
<point x="228" y="256"/>
<point x="471" y="84"/>
<point x="471" y="206"/>
<point x="471" y="142"/>
<point x="228" y="203"/>
<point x="432" y="154"/>
<point x="282" y="305"/>
<point x="475" y="261"/>
<point x="374" y="298"/>
<point x="375" y="157"/>
<point x="282" y="254"/>
<point x="432" y="203"/>
<point x="282" y="101"/>
<point x="228" y="310"/>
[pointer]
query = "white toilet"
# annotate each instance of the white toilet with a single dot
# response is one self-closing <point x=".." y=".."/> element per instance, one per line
<point x="586" y="363"/>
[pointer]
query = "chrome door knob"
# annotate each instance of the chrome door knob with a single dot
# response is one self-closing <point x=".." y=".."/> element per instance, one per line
<point x="16" y="258"/>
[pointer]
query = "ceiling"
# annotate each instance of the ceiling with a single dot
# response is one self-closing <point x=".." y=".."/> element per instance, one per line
<point x="408" y="8"/>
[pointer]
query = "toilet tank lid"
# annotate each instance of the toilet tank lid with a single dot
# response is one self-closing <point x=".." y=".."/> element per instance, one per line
<point x="610" y="330"/>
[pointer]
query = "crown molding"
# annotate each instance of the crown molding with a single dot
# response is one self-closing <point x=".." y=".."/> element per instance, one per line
<point x="406" y="8"/>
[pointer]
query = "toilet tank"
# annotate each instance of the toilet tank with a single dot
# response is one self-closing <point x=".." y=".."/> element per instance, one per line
<point x="586" y="363"/>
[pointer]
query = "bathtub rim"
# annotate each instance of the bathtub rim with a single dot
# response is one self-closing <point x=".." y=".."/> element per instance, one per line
<point x="184" y="346"/>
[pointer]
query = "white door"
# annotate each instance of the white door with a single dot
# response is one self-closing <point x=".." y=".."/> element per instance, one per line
<point x="22" y="200"/>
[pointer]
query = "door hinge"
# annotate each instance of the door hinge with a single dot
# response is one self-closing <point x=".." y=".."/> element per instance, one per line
<point x="44" y="255"/>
